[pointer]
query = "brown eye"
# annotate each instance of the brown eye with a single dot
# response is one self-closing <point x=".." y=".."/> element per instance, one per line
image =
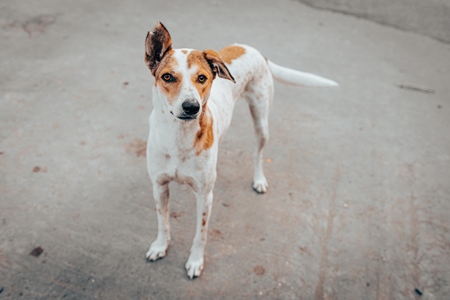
<point x="202" y="79"/>
<point x="167" y="77"/>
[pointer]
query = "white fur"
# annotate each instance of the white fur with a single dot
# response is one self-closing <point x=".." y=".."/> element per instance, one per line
<point x="298" y="78"/>
<point x="171" y="155"/>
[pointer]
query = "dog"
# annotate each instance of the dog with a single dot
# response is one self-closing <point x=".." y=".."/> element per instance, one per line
<point x="194" y="94"/>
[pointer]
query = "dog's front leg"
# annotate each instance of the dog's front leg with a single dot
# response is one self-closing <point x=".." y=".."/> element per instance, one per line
<point x="159" y="246"/>
<point x="194" y="264"/>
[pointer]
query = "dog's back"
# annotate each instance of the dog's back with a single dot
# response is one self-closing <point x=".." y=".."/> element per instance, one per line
<point x="254" y="75"/>
<point x="253" y="82"/>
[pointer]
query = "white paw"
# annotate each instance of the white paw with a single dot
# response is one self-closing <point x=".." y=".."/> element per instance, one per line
<point x="194" y="267"/>
<point x="260" y="185"/>
<point x="156" y="251"/>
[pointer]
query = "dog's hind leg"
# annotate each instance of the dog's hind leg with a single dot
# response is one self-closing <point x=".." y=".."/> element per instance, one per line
<point x="159" y="246"/>
<point x="259" y="96"/>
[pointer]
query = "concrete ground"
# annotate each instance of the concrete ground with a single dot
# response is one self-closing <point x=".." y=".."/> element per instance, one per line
<point x="359" y="199"/>
<point x="431" y="17"/>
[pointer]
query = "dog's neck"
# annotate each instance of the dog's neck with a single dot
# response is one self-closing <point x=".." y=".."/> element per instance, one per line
<point x="174" y="132"/>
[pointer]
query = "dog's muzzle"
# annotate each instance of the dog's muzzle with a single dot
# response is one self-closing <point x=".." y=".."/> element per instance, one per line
<point x="190" y="109"/>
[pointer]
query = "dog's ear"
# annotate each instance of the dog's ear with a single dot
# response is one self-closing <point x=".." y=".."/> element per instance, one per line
<point x="157" y="43"/>
<point x="217" y="65"/>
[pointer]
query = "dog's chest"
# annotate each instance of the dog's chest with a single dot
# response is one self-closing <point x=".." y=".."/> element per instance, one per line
<point x="183" y="167"/>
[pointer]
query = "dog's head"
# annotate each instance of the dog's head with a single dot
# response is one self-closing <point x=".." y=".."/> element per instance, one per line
<point x="183" y="77"/>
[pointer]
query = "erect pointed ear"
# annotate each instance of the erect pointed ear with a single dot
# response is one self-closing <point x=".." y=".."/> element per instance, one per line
<point x="217" y="65"/>
<point x="157" y="43"/>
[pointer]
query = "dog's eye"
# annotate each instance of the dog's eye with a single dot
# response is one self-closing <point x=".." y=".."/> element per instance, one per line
<point x="167" y="77"/>
<point x="202" y="79"/>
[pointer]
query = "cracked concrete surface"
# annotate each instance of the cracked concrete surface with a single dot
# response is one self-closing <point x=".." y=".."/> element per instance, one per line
<point x="358" y="205"/>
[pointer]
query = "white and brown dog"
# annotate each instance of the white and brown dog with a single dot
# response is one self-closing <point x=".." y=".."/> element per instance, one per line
<point x="191" y="114"/>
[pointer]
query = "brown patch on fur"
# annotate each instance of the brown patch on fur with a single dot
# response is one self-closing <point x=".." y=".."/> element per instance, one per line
<point x="203" y="222"/>
<point x="184" y="51"/>
<point x="205" y="136"/>
<point x="187" y="180"/>
<point x="163" y="179"/>
<point x="168" y="65"/>
<point x="197" y="59"/>
<point x="231" y="52"/>
<point x="217" y="65"/>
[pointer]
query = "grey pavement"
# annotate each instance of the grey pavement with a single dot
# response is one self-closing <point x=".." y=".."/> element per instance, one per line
<point x="359" y="199"/>
<point x="431" y="17"/>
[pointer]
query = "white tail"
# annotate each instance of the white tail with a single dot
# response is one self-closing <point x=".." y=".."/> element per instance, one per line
<point x="294" y="77"/>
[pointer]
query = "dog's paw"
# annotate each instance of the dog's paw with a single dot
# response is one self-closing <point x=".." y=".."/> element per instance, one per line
<point x="156" y="251"/>
<point x="194" y="267"/>
<point x="260" y="186"/>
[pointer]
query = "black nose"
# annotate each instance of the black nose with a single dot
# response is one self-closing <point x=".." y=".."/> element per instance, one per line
<point x="190" y="107"/>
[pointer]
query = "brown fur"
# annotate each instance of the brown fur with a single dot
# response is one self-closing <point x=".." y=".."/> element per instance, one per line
<point x="197" y="58"/>
<point x="217" y="65"/>
<point x="168" y="65"/>
<point x="229" y="53"/>
<point x="205" y="136"/>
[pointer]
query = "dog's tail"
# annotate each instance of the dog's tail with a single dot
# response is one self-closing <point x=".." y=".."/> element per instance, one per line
<point x="294" y="77"/>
